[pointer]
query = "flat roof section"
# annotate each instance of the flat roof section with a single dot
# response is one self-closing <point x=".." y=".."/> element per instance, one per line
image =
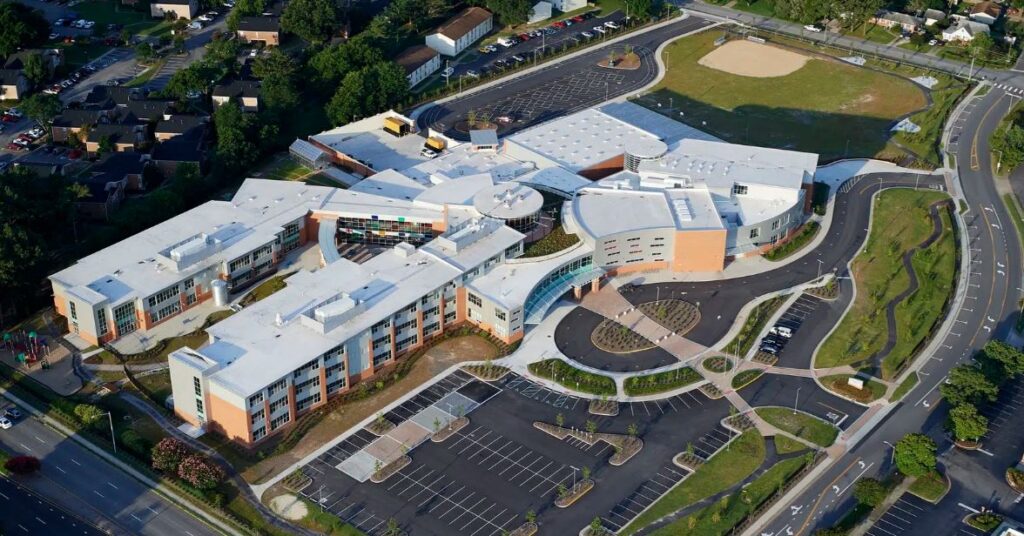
<point x="722" y="164"/>
<point x="664" y="128"/>
<point x="508" y="201"/>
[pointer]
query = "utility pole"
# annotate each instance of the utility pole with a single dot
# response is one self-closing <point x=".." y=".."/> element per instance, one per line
<point x="113" y="439"/>
<point x="797" y="400"/>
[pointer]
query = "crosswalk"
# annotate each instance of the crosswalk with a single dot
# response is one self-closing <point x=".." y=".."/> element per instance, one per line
<point x="1010" y="89"/>
<point x="173" y="64"/>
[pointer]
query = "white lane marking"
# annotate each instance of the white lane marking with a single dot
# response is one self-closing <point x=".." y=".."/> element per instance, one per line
<point x="98" y="493"/>
<point x="111" y="485"/>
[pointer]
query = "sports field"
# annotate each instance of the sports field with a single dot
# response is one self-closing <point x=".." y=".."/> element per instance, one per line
<point x="822" y="106"/>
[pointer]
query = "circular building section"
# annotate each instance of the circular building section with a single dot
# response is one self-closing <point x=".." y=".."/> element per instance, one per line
<point x="518" y="205"/>
<point x="640" y="149"/>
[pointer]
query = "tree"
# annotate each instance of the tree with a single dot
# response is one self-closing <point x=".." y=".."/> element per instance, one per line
<point x="42" y="108"/>
<point x="585" y="472"/>
<point x="980" y="45"/>
<point x="870" y="492"/>
<point x="132" y="441"/>
<point x="331" y="64"/>
<point x="640" y="9"/>
<point x="312" y="20"/>
<point x="188" y="80"/>
<point x="277" y="71"/>
<point x="34" y="69"/>
<point x="560" y="419"/>
<point x="200" y="472"/>
<point x="168" y="454"/>
<point x="510" y="12"/>
<point x="23" y="465"/>
<point x="438" y="8"/>
<point x="531" y="516"/>
<point x="235" y="149"/>
<point x="105" y="146"/>
<point x="915" y="455"/>
<point x="88" y="414"/>
<point x="918" y="6"/>
<point x="23" y="27"/>
<point x="144" y="50"/>
<point x="1010" y="146"/>
<point x="967" y="384"/>
<point x="1009" y="357"/>
<point x="966" y="423"/>
<point x="595" y="526"/>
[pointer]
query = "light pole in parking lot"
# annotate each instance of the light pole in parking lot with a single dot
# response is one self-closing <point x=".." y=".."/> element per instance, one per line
<point x="797" y="400"/>
<point x="820" y="262"/>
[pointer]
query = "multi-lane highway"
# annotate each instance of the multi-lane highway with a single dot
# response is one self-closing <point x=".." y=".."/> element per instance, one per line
<point x="988" y="312"/>
<point x="88" y="487"/>
<point x="22" y="511"/>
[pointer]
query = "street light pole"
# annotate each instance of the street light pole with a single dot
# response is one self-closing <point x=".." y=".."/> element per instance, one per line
<point x="820" y="262"/>
<point x="797" y="400"/>
<point x="113" y="439"/>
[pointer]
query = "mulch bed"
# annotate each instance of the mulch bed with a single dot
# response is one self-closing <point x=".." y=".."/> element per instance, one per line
<point x="579" y="490"/>
<point x="379" y="428"/>
<point x="765" y="358"/>
<point x="710" y="391"/>
<point x="627" y="448"/>
<point x="487" y="373"/>
<point x="526" y="529"/>
<point x="718" y="364"/>
<point x="447" y="431"/>
<point x="609" y="408"/>
<point x="628" y="62"/>
<point x="390" y="469"/>
<point x="613" y="337"/>
<point x="677" y="316"/>
<point x="691" y="462"/>
<point x="828" y="291"/>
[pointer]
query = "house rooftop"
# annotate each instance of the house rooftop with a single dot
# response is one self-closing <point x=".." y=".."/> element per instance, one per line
<point x="180" y="124"/>
<point x="237" y="88"/>
<point x="259" y="23"/>
<point x="463" y="23"/>
<point x="415" y="56"/>
<point x="116" y="132"/>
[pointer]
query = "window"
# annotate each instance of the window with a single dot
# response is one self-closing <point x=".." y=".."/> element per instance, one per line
<point x="634" y="239"/>
<point x="381" y="342"/>
<point x="238" y="263"/>
<point x="163" y="295"/>
<point x="739" y="189"/>
<point x="312" y="365"/>
<point x="197" y="386"/>
<point x="101" y="322"/>
<point x="432" y="311"/>
<point x="775" y="224"/>
<point x="277" y="387"/>
<point x="405" y="325"/>
<point x="255" y="399"/>
<point x="166" y="311"/>
<point x="432" y="327"/>
<point x="258" y="433"/>
<point x="199" y="406"/>
<point x="124" y="318"/>
<point x="334" y="369"/>
<point x="475" y="300"/>
<point x="500" y="314"/>
<point x="276" y="423"/>
<point x="381" y="325"/>
<point x="276" y="406"/>
<point x="190" y="284"/>
<point x="256" y="417"/>
<point x="755" y="232"/>
<point x="314" y="382"/>
<point x="74" y="313"/>
<point x="335" y="385"/>
<point x="308" y="401"/>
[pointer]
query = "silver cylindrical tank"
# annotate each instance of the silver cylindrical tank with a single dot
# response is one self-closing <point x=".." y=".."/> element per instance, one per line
<point x="220" y="292"/>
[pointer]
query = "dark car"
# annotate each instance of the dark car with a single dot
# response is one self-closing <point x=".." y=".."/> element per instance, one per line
<point x="13" y="413"/>
<point x="769" y="349"/>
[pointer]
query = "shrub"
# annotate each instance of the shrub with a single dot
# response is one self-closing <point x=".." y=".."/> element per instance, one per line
<point x="88" y="414"/>
<point x="23" y="465"/>
<point x="132" y="441"/>
<point x="168" y="454"/>
<point x="870" y="491"/>
<point x="200" y="472"/>
<point x="915" y="455"/>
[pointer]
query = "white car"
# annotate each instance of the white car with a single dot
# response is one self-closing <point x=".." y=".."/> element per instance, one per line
<point x="195" y="25"/>
<point x="612" y="25"/>
<point x="588" y="35"/>
<point x="599" y="29"/>
<point x="89" y="24"/>
<point x="428" y="153"/>
<point x="204" y="18"/>
<point x="448" y="71"/>
<point x="781" y="331"/>
<point x="812" y="28"/>
<point x="5" y="423"/>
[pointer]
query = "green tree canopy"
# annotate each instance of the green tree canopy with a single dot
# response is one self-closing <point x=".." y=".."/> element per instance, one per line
<point x="34" y="69"/>
<point x="510" y="12"/>
<point x="235" y="149"/>
<point x="1011" y="359"/>
<point x="1010" y="146"/>
<point x="870" y="491"/>
<point x="20" y="27"/>
<point x="312" y="20"/>
<point x="967" y="384"/>
<point x="331" y="64"/>
<point x="966" y="423"/>
<point x="42" y="108"/>
<point x="915" y="455"/>
<point x="368" y="91"/>
<point x="277" y="71"/>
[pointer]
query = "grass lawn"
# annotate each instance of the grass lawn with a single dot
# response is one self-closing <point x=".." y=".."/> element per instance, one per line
<point x="900" y="222"/>
<point x="745" y="378"/>
<point x="787" y="445"/>
<point x="925" y="143"/>
<point x="283" y="168"/>
<point x="571" y="377"/>
<point x="553" y="242"/>
<point x="722" y="471"/>
<point x="158" y="383"/>
<point x="722" y="516"/>
<point x="839" y="383"/>
<point x="105" y="12"/>
<point x="660" y="382"/>
<point x="801" y="239"/>
<point x="905" y="387"/>
<point x="930" y="487"/>
<point x="319" y="179"/>
<point x="145" y="76"/>
<point x="610" y="6"/>
<point x="263" y="290"/>
<point x="757" y="7"/>
<point x="1015" y="214"/>
<point x="325" y="522"/>
<point x="78" y="54"/>
<point x="874" y="33"/>
<point x="849" y="105"/>
<point x="800" y="425"/>
<point x="754" y="324"/>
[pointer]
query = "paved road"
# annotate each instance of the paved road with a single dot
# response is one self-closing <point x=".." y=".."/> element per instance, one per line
<point x="561" y="88"/>
<point x="988" y="312"/>
<point x="87" y="486"/>
<point x="27" y="513"/>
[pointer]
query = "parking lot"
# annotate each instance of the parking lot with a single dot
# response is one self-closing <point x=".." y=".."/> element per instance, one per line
<point x="570" y="342"/>
<point x="803" y="394"/>
<point x="910" y="513"/>
<point x="485" y="477"/>
<point x="803" y="309"/>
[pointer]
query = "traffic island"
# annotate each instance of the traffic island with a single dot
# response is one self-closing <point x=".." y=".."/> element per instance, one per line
<point x="382" y="474"/>
<point x="451" y="429"/>
<point x="718" y="364"/>
<point x="380" y="426"/>
<point x="526" y="529"/>
<point x="603" y="406"/>
<point x="745" y="378"/>
<point x="566" y="497"/>
<point x="931" y="487"/>
<point x="829" y="291"/>
<point x="967" y="445"/>
<point x="1015" y="479"/>
<point x="486" y="372"/>
<point x="984" y="521"/>
<point x="626" y="446"/>
<point x="862" y="390"/>
<point x="626" y="60"/>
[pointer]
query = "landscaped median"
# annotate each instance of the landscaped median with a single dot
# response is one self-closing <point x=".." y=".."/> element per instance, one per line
<point x="901" y="223"/>
<point x="573" y="378"/>
<point x="724" y="470"/>
<point x="660" y="382"/>
<point x="840" y="383"/>
<point x="800" y="425"/>
<point x="756" y="321"/>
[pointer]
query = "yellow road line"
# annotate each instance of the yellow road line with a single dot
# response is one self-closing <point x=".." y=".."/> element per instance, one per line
<point x="975" y="163"/>
<point x="817" y="503"/>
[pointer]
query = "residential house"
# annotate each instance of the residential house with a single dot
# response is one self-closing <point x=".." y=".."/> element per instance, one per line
<point x="13" y="84"/>
<point x="147" y="111"/>
<point x="931" y="16"/>
<point x="122" y="136"/>
<point x="128" y="166"/>
<point x="963" y="31"/>
<point x="108" y="97"/>
<point x="71" y="122"/>
<point x="168" y="155"/>
<point x="182" y="9"/>
<point x="900" y="21"/>
<point x="178" y="125"/>
<point x="52" y="58"/>
<point x="104" y="195"/>
<point x="266" y="30"/>
<point x="246" y="92"/>
<point x="461" y="31"/>
<point x="568" y="5"/>
<point x="419" y="62"/>
<point x="541" y="11"/>
<point x="986" y="12"/>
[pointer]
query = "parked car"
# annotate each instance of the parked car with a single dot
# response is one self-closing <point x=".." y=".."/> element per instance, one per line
<point x="524" y="37"/>
<point x="447" y="72"/>
<point x="812" y="28"/>
<point x="782" y="331"/>
<point x="15" y="147"/>
<point x="5" y="423"/>
<point x="204" y="18"/>
<point x="599" y="29"/>
<point x="428" y="153"/>
<point x="13" y="413"/>
<point x="472" y="74"/>
<point x="558" y="25"/>
<point x="611" y="24"/>
<point x="517" y="58"/>
<point x="587" y="35"/>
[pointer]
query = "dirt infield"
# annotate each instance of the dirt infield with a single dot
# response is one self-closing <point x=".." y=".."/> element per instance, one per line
<point x="746" y="58"/>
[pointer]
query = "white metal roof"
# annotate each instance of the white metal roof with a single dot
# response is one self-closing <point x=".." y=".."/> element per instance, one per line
<point x="508" y="201"/>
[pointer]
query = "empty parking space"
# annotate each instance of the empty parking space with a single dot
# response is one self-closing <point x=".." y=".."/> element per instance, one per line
<point x="709" y="443"/>
<point x="1006" y="409"/>
<point x="465" y="509"/>
<point x="680" y="402"/>
<point x="357" y="515"/>
<point x="535" y="391"/>
<point x="512" y="461"/>
<point x="900" y="518"/>
<point x="794" y="353"/>
<point x="643" y="496"/>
